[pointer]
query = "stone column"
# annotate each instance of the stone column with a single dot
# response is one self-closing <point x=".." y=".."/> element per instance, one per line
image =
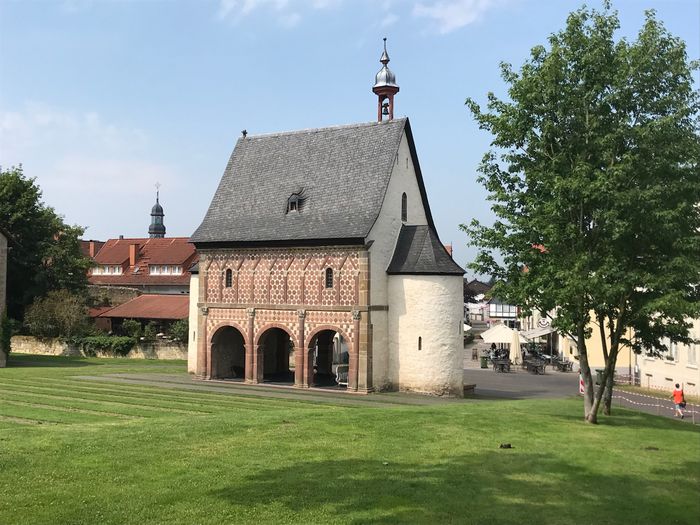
<point x="250" y="347"/>
<point x="299" y="351"/>
<point x="355" y="355"/>
<point x="202" y="343"/>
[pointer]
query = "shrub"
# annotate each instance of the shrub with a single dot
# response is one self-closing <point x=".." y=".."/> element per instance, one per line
<point x="150" y="331"/>
<point x="5" y="333"/>
<point x="132" y="328"/>
<point x="60" y="313"/>
<point x="115" y="345"/>
<point x="179" y="330"/>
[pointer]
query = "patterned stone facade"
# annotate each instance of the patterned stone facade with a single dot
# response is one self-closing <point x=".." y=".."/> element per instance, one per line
<point x="256" y="289"/>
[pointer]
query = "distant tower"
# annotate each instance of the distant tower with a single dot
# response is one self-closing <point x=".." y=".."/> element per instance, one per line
<point x="385" y="88"/>
<point x="157" y="228"/>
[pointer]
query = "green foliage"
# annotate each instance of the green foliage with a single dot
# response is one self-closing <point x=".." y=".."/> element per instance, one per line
<point x="115" y="345"/>
<point x="59" y="314"/>
<point x="5" y="333"/>
<point x="150" y="331"/>
<point x="179" y="330"/>
<point x="132" y="328"/>
<point x="45" y="251"/>
<point x="594" y="177"/>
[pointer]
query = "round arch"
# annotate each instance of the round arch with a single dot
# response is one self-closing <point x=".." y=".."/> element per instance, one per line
<point x="328" y="359"/>
<point x="231" y="324"/>
<point x="227" y="353"/>
<point x="265" y="328"/>
<point x="323" y="327"/>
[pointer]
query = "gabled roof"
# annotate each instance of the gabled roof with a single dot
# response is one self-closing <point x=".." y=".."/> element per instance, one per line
<point x="341" y="174"/>
<point x="151" y="307"/>
<point x="175" y="251"/>
<point x="419" y="251"/>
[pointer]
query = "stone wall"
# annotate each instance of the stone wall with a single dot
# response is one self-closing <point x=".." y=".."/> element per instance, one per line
<point x="116" y="295"/>
<point x="23" y="344"/>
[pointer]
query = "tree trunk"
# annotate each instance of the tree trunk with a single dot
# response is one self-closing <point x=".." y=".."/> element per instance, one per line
<point x="588" y="387"/>
<point x="607" y="394"/>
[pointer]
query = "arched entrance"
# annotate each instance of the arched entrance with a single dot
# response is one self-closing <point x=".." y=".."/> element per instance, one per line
<point x="276" y="353"/>
<point x="227" y="354"/>
<point x="329" y="356"/>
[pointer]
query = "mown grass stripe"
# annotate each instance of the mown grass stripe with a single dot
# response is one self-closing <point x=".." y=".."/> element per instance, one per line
<point x="51" y="415"/>
<point x="67" y="408"/>
<point x="24" y="421"/>
<point x="220" y="399"/>
<point x="107" y="408"/>
<point x="109" y="399"/>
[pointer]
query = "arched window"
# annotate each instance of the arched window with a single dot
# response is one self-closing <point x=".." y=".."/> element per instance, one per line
<point x="420" y="343"/>
<point x="329" y="277"/>
<point x="404" y="208"/>
<point x="229" y="278"/>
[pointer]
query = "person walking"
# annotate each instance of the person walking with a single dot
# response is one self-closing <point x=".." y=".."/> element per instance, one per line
<point x="679" y="399"/>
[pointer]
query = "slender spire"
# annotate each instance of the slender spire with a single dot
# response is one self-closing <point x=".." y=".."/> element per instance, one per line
<point x="157" y="228"/>
<point x="385" y="56"/>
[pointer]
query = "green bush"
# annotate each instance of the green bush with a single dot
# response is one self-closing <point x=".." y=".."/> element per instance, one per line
<point x="150" y="331"/>
<point x="115" y="345"/>
<point x="5" y="333"/>
<point x="179" y="330"/>
<point x="59" y="314"/>
<point x="132" y="328"/>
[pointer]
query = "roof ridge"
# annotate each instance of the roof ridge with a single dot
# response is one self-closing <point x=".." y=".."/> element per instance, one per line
<point x="326" y="128"/>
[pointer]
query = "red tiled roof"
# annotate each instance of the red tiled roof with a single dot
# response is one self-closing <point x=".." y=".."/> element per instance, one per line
<point x="152" y="307"/>
<point x="85" y="246"/>
<point x="174" y="251"/>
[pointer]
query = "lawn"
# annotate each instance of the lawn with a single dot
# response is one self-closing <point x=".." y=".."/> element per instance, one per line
<point x="96" y="452"/>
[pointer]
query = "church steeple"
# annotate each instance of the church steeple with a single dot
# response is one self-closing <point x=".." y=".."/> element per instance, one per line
<point x="385" y="88"/>
<point x="157" y="228"/>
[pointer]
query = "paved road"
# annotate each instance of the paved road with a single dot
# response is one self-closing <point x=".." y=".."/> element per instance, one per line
<point x="520" y="384"/>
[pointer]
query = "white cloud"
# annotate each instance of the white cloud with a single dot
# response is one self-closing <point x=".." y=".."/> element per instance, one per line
<point x="449" y="15"/>
<point x="88" y="168"/>
<point x="237" y="9"/>
<point x="389" y="20"/>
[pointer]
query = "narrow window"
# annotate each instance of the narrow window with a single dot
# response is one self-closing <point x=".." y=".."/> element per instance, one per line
<point x="229" y="278"/>
<point x="329" y="277"/>
<point x="420" y="343"/>
<point x="404" y="208"/>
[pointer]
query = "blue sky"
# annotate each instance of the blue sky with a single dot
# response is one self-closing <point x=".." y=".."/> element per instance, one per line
<point x="99" y="100"/>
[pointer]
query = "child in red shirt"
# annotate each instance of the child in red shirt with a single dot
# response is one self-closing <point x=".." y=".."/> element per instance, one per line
<point x="679" y="400"/>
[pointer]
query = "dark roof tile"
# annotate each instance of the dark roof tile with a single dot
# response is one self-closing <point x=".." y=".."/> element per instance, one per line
<point x="419" y="251"/>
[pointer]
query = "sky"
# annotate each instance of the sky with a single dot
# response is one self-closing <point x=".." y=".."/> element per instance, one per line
<point x="101" y="100"/>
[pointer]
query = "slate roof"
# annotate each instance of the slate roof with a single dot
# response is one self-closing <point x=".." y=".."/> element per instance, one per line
<point x="342" y="173"/>
<point x="419" y="251"/>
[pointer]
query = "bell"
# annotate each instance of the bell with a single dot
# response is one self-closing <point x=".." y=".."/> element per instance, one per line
<point x="385" y="108"/>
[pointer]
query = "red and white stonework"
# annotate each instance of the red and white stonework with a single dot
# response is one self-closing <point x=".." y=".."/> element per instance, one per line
<point x="320" y="264"/>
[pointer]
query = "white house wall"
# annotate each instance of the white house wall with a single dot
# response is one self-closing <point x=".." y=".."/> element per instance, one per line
<point x="428" y="307"/>
<point x="384" y="234"/>
<point x="192" y="339"/>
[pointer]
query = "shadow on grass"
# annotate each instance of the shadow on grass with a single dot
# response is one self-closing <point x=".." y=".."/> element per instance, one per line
<point x="504" y="486"/>
<point x="632" y="419"/>
<point x="26" y="360"/>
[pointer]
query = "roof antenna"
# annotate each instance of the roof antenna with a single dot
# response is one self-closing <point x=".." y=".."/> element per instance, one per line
<point x="244" y="133"/>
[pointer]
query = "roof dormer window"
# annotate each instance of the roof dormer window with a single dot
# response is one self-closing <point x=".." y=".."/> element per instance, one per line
<point x="295" y="201"/>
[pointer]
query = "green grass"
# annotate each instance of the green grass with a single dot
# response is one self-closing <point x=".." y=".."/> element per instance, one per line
<point x="96" y="452"/>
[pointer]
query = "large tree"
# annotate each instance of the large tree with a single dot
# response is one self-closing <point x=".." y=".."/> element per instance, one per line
<point x="45" y="252"/>
<point x="594" y="177"/>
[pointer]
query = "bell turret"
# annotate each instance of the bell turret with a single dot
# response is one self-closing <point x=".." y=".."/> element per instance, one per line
<point x="157" y="228"/>
<point x="385" y="87"/>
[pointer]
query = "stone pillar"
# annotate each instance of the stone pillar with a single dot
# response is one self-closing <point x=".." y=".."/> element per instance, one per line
<point x="355" y="355"/>
<point x="202" y="344"/>
<point x="250" y="347"/>
<point x="259" y="364"/>
<point x="299" y="351"/>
